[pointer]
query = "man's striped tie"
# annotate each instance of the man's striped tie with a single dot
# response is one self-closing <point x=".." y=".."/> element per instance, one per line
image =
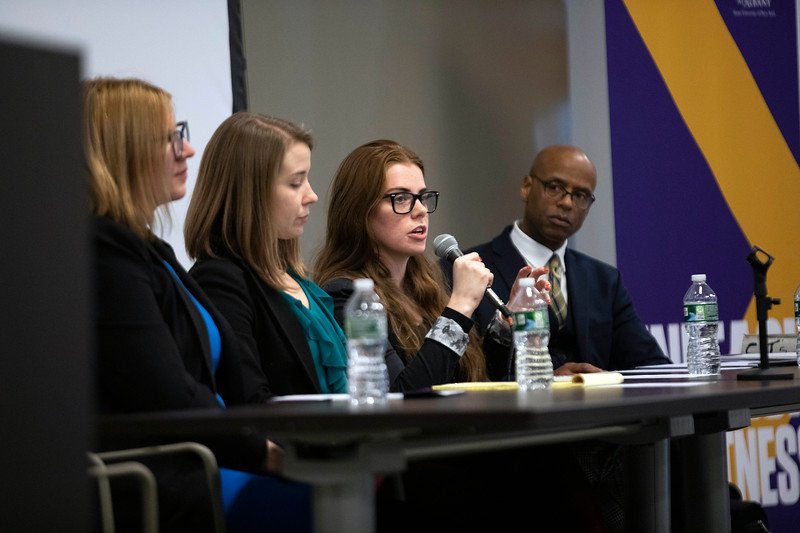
<point x="556" y="296"/>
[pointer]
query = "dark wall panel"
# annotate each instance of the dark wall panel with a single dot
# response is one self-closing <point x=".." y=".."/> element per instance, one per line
<point x="45" y="385"/>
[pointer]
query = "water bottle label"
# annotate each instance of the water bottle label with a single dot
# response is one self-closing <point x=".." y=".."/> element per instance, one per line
<point x="530" y="320"/>
<point x="363" y="329"/>
<point x="700" y="313"/>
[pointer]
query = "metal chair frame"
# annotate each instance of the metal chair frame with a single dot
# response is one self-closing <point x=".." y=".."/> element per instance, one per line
<point x="118" y="463"/>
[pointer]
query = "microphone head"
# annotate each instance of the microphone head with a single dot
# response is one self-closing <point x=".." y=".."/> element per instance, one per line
<point x="446" y="247"/>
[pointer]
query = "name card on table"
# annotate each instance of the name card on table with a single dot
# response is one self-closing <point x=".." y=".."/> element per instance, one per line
<point x="775" y="344"/>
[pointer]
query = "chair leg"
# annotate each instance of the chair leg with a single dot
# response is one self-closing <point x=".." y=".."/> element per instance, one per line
<point x="104" y="493"/>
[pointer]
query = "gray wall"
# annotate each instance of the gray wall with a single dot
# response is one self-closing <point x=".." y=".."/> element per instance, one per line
<point x="588" y="97"/>
<point x="476" y="88"/>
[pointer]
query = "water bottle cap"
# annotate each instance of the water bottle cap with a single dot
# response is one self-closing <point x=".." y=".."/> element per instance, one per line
<point x="363" y="284"/>
<point x="527" y="282"/>
<point x="699" y="277"/>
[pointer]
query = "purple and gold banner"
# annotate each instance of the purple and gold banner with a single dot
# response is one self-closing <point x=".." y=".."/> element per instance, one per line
<point x="763" y="462"/>
<point x="705" y="134"/>
<point x="705" y="140"/>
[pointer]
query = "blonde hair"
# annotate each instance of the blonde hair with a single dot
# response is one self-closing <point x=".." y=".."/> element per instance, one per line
<point x="349" y="251"/>
<point x="229" y="213"/>
<point x="123" y="141"/>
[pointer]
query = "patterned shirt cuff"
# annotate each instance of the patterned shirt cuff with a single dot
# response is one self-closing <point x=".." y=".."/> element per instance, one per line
<point x="448" y="333"/>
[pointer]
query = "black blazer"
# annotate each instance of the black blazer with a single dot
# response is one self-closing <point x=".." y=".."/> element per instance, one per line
<point x="151" y="347"/>
<point x="277" y="359"/>
<point x="608" y="332"/>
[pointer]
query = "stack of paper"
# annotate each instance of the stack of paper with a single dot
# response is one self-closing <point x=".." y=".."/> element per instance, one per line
<point x="575" y="380"/>
<point x="478" y="385"/>
<point x="589" y="379"/>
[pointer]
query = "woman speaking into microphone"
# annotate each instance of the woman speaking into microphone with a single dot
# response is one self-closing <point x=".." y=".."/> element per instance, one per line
<point x="378" y="222"/>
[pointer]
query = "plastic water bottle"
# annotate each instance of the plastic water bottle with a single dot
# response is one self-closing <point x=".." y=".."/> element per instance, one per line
<point x="700" y="319"/>
<point x="797" y="322"/>
<point x="365" y="327"/>
<point x="531" y="326"/>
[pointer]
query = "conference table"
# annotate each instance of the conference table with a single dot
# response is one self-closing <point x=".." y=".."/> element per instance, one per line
<point x="673" y="432"/>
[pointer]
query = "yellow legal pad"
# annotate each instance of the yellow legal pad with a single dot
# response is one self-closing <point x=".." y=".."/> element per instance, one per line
<point x="576" y="380"/>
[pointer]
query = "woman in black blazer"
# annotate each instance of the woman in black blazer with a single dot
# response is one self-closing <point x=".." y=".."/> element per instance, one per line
<point x="160" y="342"/>
<point x="250" y="205"/>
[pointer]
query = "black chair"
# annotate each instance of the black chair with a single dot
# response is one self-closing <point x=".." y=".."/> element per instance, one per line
<point x="746" y="516"/>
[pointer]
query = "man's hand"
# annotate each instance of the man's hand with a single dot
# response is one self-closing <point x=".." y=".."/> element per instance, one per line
<point x="540" y="274"/>
<point x="274" y="463"/>
<point x="568" y="369"/>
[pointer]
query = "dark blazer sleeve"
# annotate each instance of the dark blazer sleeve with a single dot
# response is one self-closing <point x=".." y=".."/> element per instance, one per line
<point x="276" y="359"/>
<point x="609" y="332"/>
<point x="434" y="364"/>
<point x="499" y="359"/>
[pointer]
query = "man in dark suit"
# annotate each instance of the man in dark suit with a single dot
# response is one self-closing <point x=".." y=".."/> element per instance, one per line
<point x="597" y="327"/>
<point x="593" y="323"/>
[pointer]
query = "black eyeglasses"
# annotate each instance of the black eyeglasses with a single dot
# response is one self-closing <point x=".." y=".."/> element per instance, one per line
<point x="177" y="137"/>
<point x="556" y="191"/>
<point x="403" y="202"/>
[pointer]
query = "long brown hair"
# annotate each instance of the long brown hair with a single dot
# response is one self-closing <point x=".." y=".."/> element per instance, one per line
<point x="349" y="251"/>
<point x="229" y="213"/>
<point x="124" y="141"/>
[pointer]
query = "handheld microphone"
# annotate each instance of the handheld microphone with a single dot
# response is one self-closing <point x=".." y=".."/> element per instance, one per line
<point x="446" y="247"/>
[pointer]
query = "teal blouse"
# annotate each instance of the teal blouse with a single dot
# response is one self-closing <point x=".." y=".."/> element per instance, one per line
<point x="325" y="338"/>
